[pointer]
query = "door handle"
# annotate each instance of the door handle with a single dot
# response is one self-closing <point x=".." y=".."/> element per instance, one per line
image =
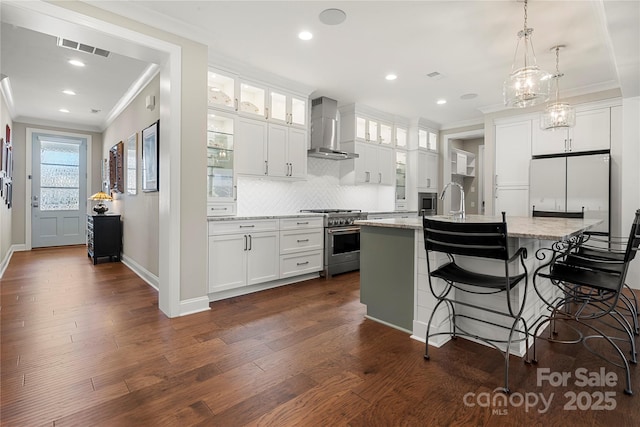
<point x="379" y="177"/>
<point x="245" y="242"/>
<point x="250" y="242"/>
<point x="266" y="167"/>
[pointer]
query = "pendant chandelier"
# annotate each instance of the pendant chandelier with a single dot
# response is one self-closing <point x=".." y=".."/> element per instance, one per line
<point x="558" y="115"/>
<point x="527" y="85"/>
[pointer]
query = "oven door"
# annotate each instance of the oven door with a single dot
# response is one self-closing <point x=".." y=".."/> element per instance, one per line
<point x="342" y="249"/>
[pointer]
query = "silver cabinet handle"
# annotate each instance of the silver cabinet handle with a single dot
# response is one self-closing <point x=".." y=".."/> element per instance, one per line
<point x="266" y="167"/>
<point x="250" y="242"/>
<point x="368" y="176"/>
<point x="219" y="209"/>
<point x="302" y="240"/>
<point x="245" y="242"/>
<point x="302" y="263"/>
<point x="248" y="226"/>
<point x="302" y="223"/>
<point x="428" y="182"/>
<point x="235" y="104"/>
<point x="235" y="192"/>
<point x="379" y="177"/>
<point x="266" y="113"/>
<point x="570" y="145"/>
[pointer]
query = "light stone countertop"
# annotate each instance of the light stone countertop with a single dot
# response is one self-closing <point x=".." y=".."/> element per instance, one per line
<point x="257" y="217"/>
<point x="558" y="229"/>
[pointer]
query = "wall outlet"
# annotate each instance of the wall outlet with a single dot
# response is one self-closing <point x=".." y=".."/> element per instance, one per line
<point x="472" y="190"/>
<point x="473" y="204"/>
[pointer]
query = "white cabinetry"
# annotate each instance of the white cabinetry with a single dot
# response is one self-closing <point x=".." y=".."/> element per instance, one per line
<point x="286" y="152"/>
<point x="591" y="132"/>
<point x="463" y="163"/>
<point x="362" y="124"/>
<point x="251" y="147"/>
<point x="221" y="178"/>
<point x="266" y="149"/>
<point x="376" y="164"/>
<point x="427" y="167"/>
<point x="401" y="136"/>
<point x="513" y="145"/>
<point x="301" y="245"/>
<point x="242" y="253"/>
<point x="287" y="108"/>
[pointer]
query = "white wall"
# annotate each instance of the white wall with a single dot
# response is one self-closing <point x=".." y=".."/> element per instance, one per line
<point x="321" y="190"/>
<point x="5" y="213"/>
<point x="140" y="211"/>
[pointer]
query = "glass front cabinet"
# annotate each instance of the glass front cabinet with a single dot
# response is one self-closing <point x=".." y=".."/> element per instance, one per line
<point x="401" y="180"/>
<point x="221" y="177"/>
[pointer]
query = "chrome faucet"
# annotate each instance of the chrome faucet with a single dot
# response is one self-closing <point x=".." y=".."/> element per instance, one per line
<point x="461" y="211"/>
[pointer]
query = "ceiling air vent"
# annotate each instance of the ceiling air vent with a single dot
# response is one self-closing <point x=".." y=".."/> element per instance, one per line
<point x="70" y="44"/>
<point x="435" y="75"/>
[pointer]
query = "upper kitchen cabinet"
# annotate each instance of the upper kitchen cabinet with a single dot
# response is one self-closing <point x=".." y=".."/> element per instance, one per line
<point x="513" y="145"/>
<point x="463" y="163"/>
<point x="592" y="131"/>
<point x="286" y="152"/>
<point x="253" y="100"/>
<point x="221" y="178"/>
<point x="376" y="164"/>
<point x="364" y="124"/>
<point x="400" y="136"/>
<point x="267" y="149"/>
<point x="401" y="180"/>
<point x="287" y="108"/>
<point x="427" y="167"/>
<point x="222" y="90"/>
<point x="251" y="147"/>
<point x="427" y="140"/>
<point x="423" y="135"/>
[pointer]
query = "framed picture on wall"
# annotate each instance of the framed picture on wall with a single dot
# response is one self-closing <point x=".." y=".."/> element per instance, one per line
<point x="132" y="164"/>
<point x="150" y="158"/>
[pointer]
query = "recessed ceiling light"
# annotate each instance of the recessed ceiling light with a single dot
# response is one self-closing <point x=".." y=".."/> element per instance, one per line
<point x="76" y="63"/>
<point x="441" y="101"/>
<point x="305" y="35"/>
<point x="68" y="92"/>
<point x="332" y="16"/>
<point x="391" y="77"/>
<point x="469" y="96"/>
<point x="63" y="110"/>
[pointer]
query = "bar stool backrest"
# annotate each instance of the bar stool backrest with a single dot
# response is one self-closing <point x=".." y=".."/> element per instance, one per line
<point x="484" y="240"/>
<point x="634" y="239"/>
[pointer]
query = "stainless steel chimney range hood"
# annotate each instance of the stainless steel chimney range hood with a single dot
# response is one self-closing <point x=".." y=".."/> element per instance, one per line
<point x="324" y="131"/>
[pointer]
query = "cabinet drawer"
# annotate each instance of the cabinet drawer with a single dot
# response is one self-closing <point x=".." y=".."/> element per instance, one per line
<point x="301" y="240"/>
<point x="293" y="223"/>
<point x="232" y="227"/>
<point x="221" y="209"/>
<point x="302" y="263"/>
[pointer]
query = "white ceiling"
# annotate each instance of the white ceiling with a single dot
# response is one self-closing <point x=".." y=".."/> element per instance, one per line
<point x="471" y="43"/>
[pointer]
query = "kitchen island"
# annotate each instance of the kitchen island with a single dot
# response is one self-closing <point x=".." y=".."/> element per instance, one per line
<point x="394" y="282"/>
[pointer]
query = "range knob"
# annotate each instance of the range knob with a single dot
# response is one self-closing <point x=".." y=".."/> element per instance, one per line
<point x="349" y="221"/>
<point x="341" y="221"/>
<point x="332" y="222"/>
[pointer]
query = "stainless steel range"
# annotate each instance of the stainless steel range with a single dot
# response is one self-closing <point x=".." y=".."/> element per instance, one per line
<point x="341" y="239"/>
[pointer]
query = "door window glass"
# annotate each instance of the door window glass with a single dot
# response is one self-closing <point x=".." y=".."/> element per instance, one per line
<point x="59" y="176"/>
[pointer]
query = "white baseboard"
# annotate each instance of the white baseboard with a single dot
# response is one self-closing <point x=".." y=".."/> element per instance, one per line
<point x="194" y="305"/>
<point x="244" y="290"/>
<point x="151" y="279"/>
<point x="8" y="255"/>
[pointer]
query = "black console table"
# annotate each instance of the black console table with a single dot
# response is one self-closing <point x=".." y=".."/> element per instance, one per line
<point x="104" y="237"/>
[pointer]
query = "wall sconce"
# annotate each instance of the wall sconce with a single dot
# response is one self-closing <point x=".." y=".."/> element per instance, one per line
<point x="151" y="102"/>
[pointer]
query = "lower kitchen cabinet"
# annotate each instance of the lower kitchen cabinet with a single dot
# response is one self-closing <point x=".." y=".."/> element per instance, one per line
<point x="301" y="245"/>
<point x="242" y="259"/>
<point x="265" y="252"/>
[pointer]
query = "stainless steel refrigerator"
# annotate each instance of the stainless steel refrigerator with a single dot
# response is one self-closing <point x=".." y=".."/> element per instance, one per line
<point x="569" y="182"/>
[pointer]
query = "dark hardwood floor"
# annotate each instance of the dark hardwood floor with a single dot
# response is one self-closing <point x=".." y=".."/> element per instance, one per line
<point x="86" y="345"/>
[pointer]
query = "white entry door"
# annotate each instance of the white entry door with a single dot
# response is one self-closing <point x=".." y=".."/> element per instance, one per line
<point x="58" y="190"/>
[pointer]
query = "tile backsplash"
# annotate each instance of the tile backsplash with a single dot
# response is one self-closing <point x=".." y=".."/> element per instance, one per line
<point x="321" y="190"/>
